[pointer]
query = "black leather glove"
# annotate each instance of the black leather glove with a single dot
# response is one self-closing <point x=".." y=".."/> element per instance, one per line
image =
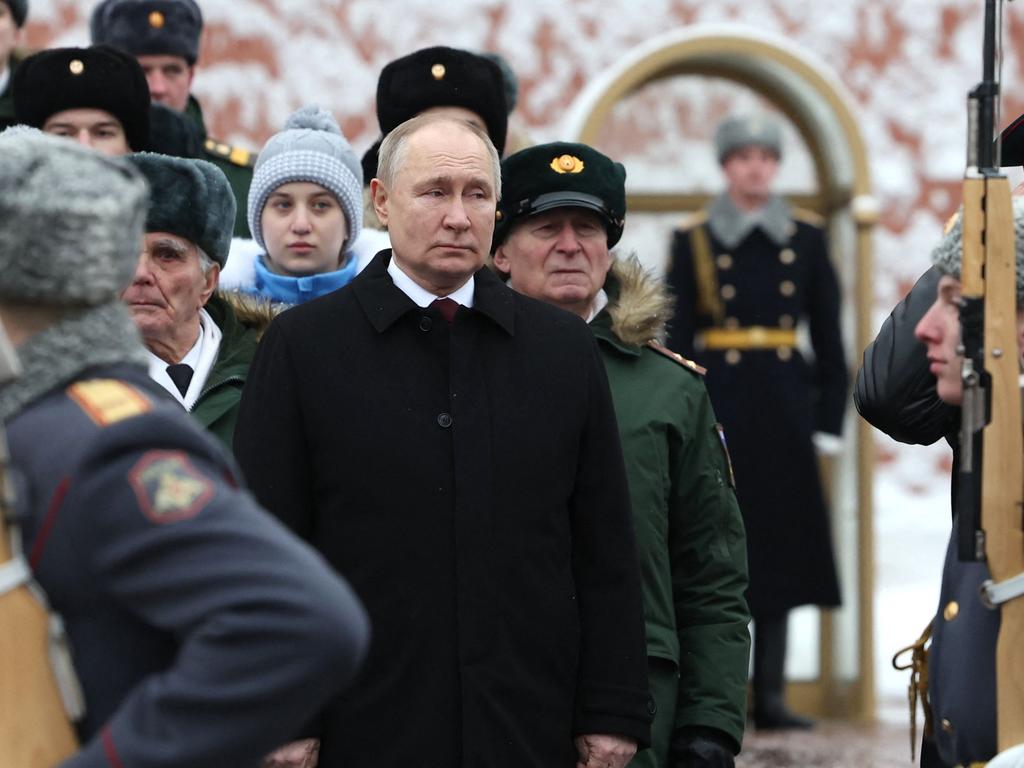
<point x="702" y="748"/>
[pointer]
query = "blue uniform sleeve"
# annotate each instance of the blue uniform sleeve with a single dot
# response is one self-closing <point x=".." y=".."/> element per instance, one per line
<point x="266" y="633"/>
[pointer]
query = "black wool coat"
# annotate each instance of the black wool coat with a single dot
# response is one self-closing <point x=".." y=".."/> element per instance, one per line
<point x="469" y="483"/>
<point x="770" y="401"/>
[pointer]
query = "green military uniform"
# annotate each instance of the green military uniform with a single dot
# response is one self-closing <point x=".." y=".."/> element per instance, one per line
<point x="7" y="118"/>
<point x="242" y="322"/>
<point x="237" y="164"/>
<point x="688" y="523"/>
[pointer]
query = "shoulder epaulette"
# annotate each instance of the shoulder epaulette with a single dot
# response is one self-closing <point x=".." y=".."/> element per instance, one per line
<point x="108" y="401"/>
<point x="234" y="155"/>
<point x="661" y="349"/>
<point x="809" y="217"/>
<point x="693" y="219"/>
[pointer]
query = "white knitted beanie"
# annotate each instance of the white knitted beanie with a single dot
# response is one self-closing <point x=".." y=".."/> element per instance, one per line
<point x="310" y="148"/>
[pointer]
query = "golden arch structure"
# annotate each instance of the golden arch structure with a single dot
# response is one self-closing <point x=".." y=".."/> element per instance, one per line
<point x="820" y="108"/>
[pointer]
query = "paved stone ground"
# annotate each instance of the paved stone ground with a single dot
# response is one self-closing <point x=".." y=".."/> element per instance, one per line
<point x="830" y="745"/>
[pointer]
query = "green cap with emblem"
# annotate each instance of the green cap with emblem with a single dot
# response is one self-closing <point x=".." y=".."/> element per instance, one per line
<point x="561" y="175"/>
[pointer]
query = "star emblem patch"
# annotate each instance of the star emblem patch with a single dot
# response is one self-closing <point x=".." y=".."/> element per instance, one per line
<point x="168" y="487"/>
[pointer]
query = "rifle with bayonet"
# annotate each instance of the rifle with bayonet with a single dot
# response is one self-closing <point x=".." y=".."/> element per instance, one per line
<point x="990" y="496"/>
<point x="35" y="731"/>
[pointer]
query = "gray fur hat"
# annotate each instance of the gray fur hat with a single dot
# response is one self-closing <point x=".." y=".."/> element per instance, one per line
<point x="19" y="10"/>
<point x="149" y="27"/>
<point x="75" y="220"/>
<point x="191" y="199"/>
<point x="311" y="147"/>
<point x="744" y="131"/>
<point x="948" y="254"/>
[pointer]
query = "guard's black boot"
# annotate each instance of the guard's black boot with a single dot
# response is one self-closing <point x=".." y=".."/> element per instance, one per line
<point x="770" y="710"/>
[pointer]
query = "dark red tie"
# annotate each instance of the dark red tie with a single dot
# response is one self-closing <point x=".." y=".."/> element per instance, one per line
<point x="447" y="307"/>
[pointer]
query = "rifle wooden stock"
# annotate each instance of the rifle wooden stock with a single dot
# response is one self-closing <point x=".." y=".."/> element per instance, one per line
<point x="34" y="728"/>
<point x="989" y="271"/>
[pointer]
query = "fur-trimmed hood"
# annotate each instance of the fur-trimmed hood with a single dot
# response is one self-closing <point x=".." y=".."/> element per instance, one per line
<point x="251" y="311"/>
<point x="638" y="304"/>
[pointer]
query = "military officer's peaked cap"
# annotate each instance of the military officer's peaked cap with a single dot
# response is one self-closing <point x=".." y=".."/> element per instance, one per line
<point x="561" y="175"/>
<point x="19" y="10"/>
<point x="149" y="27"/>
<point x="99" y="77"/>
<point x="1012" y="138"/>
<point x="746" y="131"/>
<point x="443" y="77"/>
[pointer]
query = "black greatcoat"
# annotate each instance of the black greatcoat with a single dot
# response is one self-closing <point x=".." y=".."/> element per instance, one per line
<point x="770" y="401"/>
<point x="468" y="481"/>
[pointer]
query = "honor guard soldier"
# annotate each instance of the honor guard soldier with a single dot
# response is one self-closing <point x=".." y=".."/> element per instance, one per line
<point x="563" y="210"/>
<point x="201" y="631"/>
<point x="12" y="19"/>
<point x="747" y="271"/>
<point x="96" y="96"/>
<point x="164" y="36"/>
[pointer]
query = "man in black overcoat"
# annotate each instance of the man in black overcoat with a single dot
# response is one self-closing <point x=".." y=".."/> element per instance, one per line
<point x="450" y="446"/>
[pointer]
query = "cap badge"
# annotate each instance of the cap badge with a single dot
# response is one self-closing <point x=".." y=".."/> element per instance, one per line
<point x="438" y="71"/>
<point x="76" y="66"/>
<point x="157" y="20"/>
<point x="567" y="164"/>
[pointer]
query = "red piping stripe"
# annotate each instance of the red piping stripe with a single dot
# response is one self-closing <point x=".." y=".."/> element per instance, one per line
<point x="109" y="750"/>
<point x="51" y="517"/>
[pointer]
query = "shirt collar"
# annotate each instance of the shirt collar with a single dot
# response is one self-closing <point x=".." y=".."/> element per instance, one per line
<point x="420" y="296"/>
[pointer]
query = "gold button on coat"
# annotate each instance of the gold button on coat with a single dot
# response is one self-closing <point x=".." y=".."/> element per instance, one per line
<point x="787" y="288"/>
<point x="731" y="323"/>
<point x="728" y="292"/>
<point x="786" y="321"/>
<point x="733" y="356"/>
<point x="951" y="611"/>
<point x="787" y="256"/>
<point x="76" y="66"/>
<point x="784" y="353"/>
<point x="947" y="726"/>
<point x="724" y="261"/>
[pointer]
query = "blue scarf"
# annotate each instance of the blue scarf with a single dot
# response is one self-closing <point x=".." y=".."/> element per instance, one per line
<point x="296" y="290"/>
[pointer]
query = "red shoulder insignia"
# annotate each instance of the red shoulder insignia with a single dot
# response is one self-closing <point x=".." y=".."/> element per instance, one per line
<point x="168" y="487"/>
<point x="661" y="349"/>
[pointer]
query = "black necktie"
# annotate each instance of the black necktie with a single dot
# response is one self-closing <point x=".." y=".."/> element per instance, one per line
<point x="181" y="375"/>
<point x="447" y="307"/>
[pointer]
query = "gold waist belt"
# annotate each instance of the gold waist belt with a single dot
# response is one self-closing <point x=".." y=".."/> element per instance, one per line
<point x="752" y="337"/>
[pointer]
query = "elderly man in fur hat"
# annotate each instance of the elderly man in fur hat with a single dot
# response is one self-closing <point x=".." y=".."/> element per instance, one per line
<point x="200" y="344"/>
<point x="562" y="210"/>
<point x="202" y="633"/>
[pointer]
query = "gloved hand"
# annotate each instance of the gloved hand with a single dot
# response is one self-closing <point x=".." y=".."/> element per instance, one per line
<point x="702" y="748"/>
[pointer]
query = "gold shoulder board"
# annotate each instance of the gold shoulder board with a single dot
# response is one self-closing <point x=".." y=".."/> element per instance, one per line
<point x="661" y="349"/>
<point x="234" y="155"/>
<point x="809" y="217"/>
<point x="108" y="401"/>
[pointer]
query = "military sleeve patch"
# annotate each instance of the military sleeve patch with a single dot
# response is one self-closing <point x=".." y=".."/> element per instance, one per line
<point x="661" y="349"/>
<point x="108" y="401"/>
<point x="168" y="487"/>
<point x="725" y="452"/>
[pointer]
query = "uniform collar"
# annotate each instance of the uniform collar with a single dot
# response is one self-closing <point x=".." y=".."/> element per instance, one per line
<point x="730" y="225"/>
<point x="384" y="303"/>
<point x="97" y="336"/>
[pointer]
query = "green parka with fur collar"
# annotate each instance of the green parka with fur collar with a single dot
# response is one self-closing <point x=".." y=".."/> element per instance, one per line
<point x="688" y="524"/>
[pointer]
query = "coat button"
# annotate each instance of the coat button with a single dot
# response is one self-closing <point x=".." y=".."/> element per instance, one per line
<point x="444" y="420"/>
<point x="733" y="356"/>
<point x="426" y="323"/>
<point x="947" y="727"/>
<point x="785" y="354"/>
<point x="724" y="261"/>
<point x="787" y="256"/>
<point x="786" y="321"/>
<point x="951" y="611"/>
<point x="731" y="323"/>
<point x="787" y="288"/>
<point x="728" y="292"/>
<point x="652" y="706"/>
